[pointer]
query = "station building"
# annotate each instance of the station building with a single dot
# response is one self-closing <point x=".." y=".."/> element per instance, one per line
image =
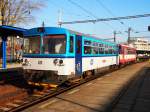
<point x="142" y="45"/>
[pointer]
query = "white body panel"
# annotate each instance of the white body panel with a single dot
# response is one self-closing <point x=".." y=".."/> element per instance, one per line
<point x="66" y="68"/>
<point x="89" y="63"/>
<point x="127" y="57"/>
<point x="130" y="56"/>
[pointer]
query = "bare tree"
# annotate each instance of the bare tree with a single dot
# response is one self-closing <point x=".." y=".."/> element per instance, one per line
<point x="18" y="11"/>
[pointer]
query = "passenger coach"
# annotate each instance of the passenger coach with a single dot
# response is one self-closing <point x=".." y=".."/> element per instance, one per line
<point x="57" y="53"/>
<point x="127" y="54"/>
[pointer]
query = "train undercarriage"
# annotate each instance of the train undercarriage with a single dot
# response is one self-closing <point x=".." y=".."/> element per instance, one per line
<point x="51" y="79"/>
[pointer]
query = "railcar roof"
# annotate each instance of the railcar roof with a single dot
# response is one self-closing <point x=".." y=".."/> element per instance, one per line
<point x="58" y="30"/>
<point x="127" y="46"/>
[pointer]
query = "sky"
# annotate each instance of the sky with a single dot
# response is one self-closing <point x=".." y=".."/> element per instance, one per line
<point x="93" y="9"/>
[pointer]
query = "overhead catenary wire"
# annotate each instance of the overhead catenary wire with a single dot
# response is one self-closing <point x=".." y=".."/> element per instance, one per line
<point x="64" y="10"/>
<point x="141" y="37"/>
<point x="106" y="19"/>
<point x="109" y="11"/>
<point x="100" y="19"/>
<point x="86" y="11"/>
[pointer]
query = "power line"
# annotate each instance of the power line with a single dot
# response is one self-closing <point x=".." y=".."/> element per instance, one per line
<point x="64" y="10"/>
<point x="88" y="12"/>
<point x="109" y="11"/>
<point x="100" y="3"/>
<point x="85" y="10"/>
<point x="106" y="19"/>
<point x="140" y="31"/>
<point x="141" y="37"/>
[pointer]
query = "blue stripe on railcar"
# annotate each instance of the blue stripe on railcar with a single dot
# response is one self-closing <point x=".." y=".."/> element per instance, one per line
<point x="47" y="56"/>
<point x="48" y="31"/>
<point x="63" y="56"/>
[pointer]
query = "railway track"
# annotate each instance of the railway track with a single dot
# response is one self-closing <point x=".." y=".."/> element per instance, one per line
<point x="40" y="96"/>
<point x="13" y="88"/>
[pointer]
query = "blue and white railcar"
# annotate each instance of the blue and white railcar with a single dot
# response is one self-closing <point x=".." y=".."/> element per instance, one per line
<point x="100" y="53"/>
<point x="65" y="53"/>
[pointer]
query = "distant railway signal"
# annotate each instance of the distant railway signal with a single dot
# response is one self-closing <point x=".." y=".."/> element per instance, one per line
<point x="148" y="28"/>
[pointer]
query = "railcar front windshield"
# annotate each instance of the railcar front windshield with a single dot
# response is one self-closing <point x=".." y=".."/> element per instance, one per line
<point x="50" y="44"/>
<point x="32" y="45"/>
<point x="54" y="44"/>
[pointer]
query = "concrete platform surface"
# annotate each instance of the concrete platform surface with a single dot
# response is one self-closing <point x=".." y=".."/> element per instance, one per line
<point x="137" y="97"/>
<point x="11" y="67"/>
<point x="94" y="96"/>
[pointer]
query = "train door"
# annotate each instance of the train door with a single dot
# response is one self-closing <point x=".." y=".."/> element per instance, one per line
<point x="78" y="55"/>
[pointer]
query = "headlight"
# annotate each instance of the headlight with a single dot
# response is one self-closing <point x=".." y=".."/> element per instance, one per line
<point x="55" y="61"/>
<point x="60" y="62"/>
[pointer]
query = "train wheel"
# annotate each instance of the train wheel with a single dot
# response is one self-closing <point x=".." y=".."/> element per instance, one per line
<point x="88" y="74"/>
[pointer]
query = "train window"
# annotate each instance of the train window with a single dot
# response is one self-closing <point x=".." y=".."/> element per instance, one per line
<point x="78" y="47"/>
<point x="54" y="44"/>
<point x="95" y="44"/>
<point x="94" y="50"/>
<point x="32" y="45"/>
<point x="71" y="44"/>
<point x="87" y="42"/>
<point x="101" y="50"/>
<point x="116" y="51"/>
<point x="113" y="51"/>
<point x="87" y="50"/>
<point x="130" y="51"/>
<point x="106" y="49"/>
<point x="110" y="51"/>
<point x="100" y="45"/>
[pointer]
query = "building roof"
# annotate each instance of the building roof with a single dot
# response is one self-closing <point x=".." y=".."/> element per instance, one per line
<point x="11" y="31"/>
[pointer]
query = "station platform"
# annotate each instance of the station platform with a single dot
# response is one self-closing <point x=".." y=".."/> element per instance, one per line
<point x="137" y="96"/>
<point x="11" y="67"/>
<point x="94" y="96"/>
